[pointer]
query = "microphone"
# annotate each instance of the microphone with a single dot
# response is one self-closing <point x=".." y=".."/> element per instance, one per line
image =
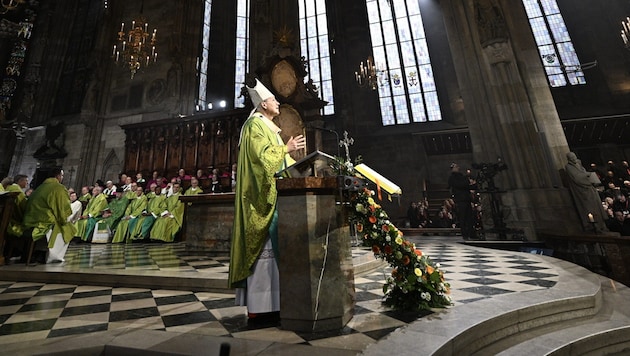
<point x="331" y="131"/>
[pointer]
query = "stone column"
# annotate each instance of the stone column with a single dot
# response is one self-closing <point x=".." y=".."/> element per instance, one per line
<point x="510" y="110"/>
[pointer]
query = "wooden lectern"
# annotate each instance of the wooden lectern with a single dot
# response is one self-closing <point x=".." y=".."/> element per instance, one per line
<point x="315" y="262"/>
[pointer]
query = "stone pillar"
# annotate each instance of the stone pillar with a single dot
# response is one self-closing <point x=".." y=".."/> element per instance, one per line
<point x="510" y="110"/>
<point x="315" y="262"/>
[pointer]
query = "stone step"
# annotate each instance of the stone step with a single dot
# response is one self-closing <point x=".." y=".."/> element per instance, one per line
<point x="502" y="321"/>
<point x="606" y="332"/>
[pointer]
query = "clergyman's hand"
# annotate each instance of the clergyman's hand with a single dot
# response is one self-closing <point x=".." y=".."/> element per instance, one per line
<point x="296" y="143"/>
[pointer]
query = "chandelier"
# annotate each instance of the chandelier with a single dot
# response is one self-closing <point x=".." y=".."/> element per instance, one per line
<point x="369" y="75"/>
<point x="135" y="48"/>
<point x="625" y="32"/>
<point x="6" y="5"/>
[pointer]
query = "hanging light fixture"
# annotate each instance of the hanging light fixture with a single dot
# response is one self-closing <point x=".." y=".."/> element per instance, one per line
<point x="135" y="48"/>
<point x="371" y="75"/>
<point x="625" y="32"/>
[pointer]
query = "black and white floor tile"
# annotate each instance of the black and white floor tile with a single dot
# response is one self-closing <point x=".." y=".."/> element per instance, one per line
<point x="32" y="311"/>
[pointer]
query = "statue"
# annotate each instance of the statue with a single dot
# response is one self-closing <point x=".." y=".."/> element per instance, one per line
<point x="490" y="23"/>
<point x="586" y="198"/>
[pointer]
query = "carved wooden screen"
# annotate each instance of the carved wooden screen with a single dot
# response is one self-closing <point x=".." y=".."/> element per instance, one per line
<point x="199" y="142"/>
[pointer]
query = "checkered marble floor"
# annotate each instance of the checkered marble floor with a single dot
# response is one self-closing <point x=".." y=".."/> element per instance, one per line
<point x="33" y="311"/>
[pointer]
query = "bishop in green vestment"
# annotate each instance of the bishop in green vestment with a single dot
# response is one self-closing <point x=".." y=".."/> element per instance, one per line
<point x="134" y="210"/>
<point x="93" y="211"/>
<point x="262" y="153"/>
<point x="155" y="207"/>
<point x="47" y="209"/>
<point x="170" y="220"/>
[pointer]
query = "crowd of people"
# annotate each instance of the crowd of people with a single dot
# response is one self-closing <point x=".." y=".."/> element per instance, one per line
<point x="614" y="193"/>
<point x="127" y="210"/>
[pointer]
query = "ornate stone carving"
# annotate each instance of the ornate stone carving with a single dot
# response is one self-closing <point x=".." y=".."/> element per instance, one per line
<point x="498" y="52"/>
<point x="490" y="23"/>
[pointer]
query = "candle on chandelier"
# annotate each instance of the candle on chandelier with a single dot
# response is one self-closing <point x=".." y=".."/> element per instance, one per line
<point x="117" y="54"/>
<point x="590" y="217"/>
<point x="123" y="47"/>
<point x="114" y="51"/>
<point x="133" y="25"/>
<point x="146" y="27"/>
<point x="153" y="51"/>
<point x="122" y="27"/>
<point x="155" y="57"/>
<point x="147" y="60"/>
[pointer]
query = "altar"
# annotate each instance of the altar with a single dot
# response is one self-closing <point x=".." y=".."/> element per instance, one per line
<point x="315" y="262"/>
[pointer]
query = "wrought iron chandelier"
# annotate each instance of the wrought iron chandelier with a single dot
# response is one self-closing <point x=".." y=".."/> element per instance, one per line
<point x="135" y="48"/>
<point x="368" y="74"/>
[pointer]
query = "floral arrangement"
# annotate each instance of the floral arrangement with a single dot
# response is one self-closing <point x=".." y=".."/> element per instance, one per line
<point x="416" y="282"/>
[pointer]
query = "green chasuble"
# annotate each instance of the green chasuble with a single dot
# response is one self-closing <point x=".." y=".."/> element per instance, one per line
<point x="93" y="211"/>
<point x="261" y="154"/>
<point x="85" y="198"/>
<point x="49" y="207"/>
<point x="167" y="225"/>
<point x="156" y="206"/>
<point x="15" y="226"/>
<point x="193" y="191"/>
<point x="127" y="224"/>
<point x="117" y="207"/>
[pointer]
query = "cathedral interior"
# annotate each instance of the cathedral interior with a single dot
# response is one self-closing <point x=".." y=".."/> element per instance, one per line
<point x="477" y="85"/>
<point x="106" y="87"/>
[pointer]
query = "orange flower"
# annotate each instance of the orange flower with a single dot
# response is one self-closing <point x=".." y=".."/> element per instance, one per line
<point x="418" y="253"/>
<point x="388" y="249"/>
<point x="400" y="233"/>
<point x="359" y="227"/>
<point x="376" y="249"/>
<point x="372" y="219"/>
<point x="405" y="260"/>
<point x="430" y="269"/>
<point x="372" y="208"/>
<point x="385" y="228"/>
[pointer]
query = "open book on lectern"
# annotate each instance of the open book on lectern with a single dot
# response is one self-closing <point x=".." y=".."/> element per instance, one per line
<point x="315" y="164"/>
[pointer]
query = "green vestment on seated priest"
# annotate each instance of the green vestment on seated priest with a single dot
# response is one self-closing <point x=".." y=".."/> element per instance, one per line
<point x="49" y="207"/>
<point x="167" y="225"/>
<point x="15" y="226"/>
<point x="127" y="224"/>
<point x="261" y="154"/>
<point x="193" y="191"/>
<point x="155" y="207"/>
<point x="117" y="208"/>
<point x="93" y="211"/>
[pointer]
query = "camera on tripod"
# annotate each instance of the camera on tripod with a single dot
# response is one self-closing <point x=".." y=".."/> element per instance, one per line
<point x="487" y="171"/>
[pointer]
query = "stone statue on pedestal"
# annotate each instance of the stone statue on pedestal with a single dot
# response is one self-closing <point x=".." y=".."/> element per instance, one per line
<point x="587" y="201"/>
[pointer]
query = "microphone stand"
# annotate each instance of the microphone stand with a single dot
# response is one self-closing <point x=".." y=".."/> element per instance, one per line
<point x="331" y="131"/>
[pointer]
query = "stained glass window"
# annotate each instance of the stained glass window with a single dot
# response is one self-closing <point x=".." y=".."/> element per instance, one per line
<point x="406" y="89"/>
<point x="315" y="48"/>
<point x="205" y="52"/>
<point x="242" y="50"/>
<point x="554" y="43"/>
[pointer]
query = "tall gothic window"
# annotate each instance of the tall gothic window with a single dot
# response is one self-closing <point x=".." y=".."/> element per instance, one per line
<point x="406" y="91"/>
<point x="315" y="48"/>
<point x="205" y="52"/>
<point x="242" y="49"/>
<point x="554" y="44"/>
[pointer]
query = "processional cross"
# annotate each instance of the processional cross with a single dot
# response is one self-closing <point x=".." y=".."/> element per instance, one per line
<point x="346" y="143"/>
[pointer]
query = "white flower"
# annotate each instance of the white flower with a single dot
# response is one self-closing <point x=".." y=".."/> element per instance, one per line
<point x="387" y="238"/>
<point x="438" y="265"/>
<point x="426" y="296"/>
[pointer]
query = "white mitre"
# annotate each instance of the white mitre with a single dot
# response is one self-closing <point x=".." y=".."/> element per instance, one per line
<point x="259" y="93"/>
